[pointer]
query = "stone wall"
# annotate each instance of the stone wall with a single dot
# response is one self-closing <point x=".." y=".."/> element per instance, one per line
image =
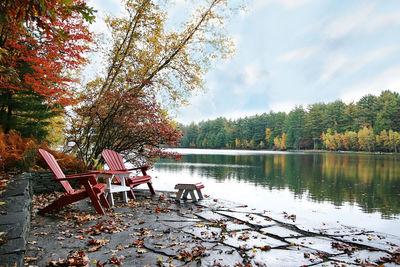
<point x="15" y="212"/>
<point x="42" y="183"/>
<point x="15" y="216"/>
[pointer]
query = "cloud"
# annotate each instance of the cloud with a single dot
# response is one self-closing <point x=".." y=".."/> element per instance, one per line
<point x="345" y="24"/>
<point x="378" y="22"/>
<point x="283" y="106"/>
<point x="372" y="56"/>
<point x="332" y="66"/>
<point x="387" y="80"/>
<point x="253" y="73"/>
<point x="300" y="54"/>
<point x="285" y="3"/>
<point x="337" y="62"/>
<point x="200" y="108"/>
<point x="107" y="6"/>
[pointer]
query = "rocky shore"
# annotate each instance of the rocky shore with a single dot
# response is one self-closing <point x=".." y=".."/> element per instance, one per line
<point x="158" y="231"/>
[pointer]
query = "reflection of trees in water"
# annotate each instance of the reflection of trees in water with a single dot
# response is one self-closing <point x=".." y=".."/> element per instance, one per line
<point x="371" y="181"/>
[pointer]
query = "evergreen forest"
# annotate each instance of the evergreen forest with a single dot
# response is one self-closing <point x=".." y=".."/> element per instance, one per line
<point x="371" y="124"/>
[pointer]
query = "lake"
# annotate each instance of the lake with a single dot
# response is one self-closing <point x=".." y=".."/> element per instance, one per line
<point x="361" y="190"/>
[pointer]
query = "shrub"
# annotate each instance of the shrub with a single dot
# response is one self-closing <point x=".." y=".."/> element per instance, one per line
<point x="16" y="153"/>
<point x="66" y="162"/>
<point x="21" y="154"/>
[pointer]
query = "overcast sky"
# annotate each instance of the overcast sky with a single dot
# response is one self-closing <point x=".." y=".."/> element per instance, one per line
<point x="299" y="52"/>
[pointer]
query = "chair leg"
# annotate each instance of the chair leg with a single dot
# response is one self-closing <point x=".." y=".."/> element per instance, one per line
<point x="53" y="206"/>
<point x="97" y="205"/>
<point x="94" y="198"/>
<point x="150" y="184"/>
<point x="131" y="194"/>
<point x="104" y="201"/>
<point x="61" y="202"/>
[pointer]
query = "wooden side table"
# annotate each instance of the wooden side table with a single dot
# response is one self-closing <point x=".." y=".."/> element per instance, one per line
<point x="185" y="189"/>
<point x="114" y="188"/>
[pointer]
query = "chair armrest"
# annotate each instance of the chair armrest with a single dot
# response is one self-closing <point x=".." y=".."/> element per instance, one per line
<point x="109" y="172"/>
<point x="146" y="167"/>
<point x="83" y="176"/>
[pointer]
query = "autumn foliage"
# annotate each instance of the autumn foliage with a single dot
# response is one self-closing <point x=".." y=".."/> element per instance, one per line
<point x="67" y="162"/>
<point x="40" y="47"/>
<point x="127" y="124"/>
<point x="17" y="153"/>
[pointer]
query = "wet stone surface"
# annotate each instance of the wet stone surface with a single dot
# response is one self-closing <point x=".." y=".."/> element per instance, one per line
<point x="245" y="240"/>
<point x="331" y="229"/>
<point x="322" y="244"/>
<point x="283" y="257"/>
<point x="280" y="231"/>
<point x="158" y="231"/>
<point x="249" y="218"/>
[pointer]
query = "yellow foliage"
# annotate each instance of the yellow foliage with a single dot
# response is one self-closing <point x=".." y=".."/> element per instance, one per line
<point x="56" y="128"/>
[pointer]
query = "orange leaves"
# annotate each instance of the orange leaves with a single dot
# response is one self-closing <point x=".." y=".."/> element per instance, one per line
<point x="161" y="210"/>
<point x="133" y="123"/>
<point x="16" y="151"/>
<point x="107" y="227"/>
<point x="66" y="161"/>
<point x="344" y="247"/>
<point x="196" y="253"/>
<point x="97" y="244"/>
<point x="77" y="258"/>
<point x="40" y="42"/>
<point x="289" y="217"/>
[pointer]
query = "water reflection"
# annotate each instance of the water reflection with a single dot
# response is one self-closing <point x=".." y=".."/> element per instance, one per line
<point x="371" y="181"/>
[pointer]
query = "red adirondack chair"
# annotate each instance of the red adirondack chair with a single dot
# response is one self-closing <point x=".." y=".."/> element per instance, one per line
<point x="116" y="163"/>
<point x="93" y="189"/>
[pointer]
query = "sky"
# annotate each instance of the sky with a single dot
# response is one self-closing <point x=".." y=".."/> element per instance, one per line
<point x="297" y="52"/>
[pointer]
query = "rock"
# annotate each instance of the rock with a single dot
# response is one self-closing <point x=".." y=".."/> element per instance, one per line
<point x="284" y="257"/>
<point x="250" y="239"/>
<point x="280" y="231"/>
<point x="253" y="219"/>
<point x="322" y="244"/>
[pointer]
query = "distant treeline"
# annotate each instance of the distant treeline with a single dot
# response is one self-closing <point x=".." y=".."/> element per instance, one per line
<point x="371" y="124"/>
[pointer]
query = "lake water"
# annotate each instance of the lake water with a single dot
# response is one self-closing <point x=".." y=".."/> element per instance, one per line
<point x="360" y="190"/>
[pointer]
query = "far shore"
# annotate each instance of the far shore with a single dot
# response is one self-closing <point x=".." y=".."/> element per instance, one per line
<point x="292" y="150"/>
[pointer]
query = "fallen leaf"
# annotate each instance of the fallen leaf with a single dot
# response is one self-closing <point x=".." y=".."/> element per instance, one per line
<point x="30" y="259"/>
<point x="266" y="247"/>
<point x="115" y="261"/>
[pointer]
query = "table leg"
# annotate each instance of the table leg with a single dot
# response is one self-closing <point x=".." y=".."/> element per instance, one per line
<point x="179" y="194"/>
<point x="185" y="194"/>
<point x="200" y="194"/>
<point x="124" y="194"/>
<point x="110" y="194"/>
<point x="111" y="198"/>
<point x="193" y="195"/>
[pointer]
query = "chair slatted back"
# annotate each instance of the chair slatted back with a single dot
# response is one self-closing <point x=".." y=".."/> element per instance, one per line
<point x="55" y="168"/>
<point x="113" y="160"/>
